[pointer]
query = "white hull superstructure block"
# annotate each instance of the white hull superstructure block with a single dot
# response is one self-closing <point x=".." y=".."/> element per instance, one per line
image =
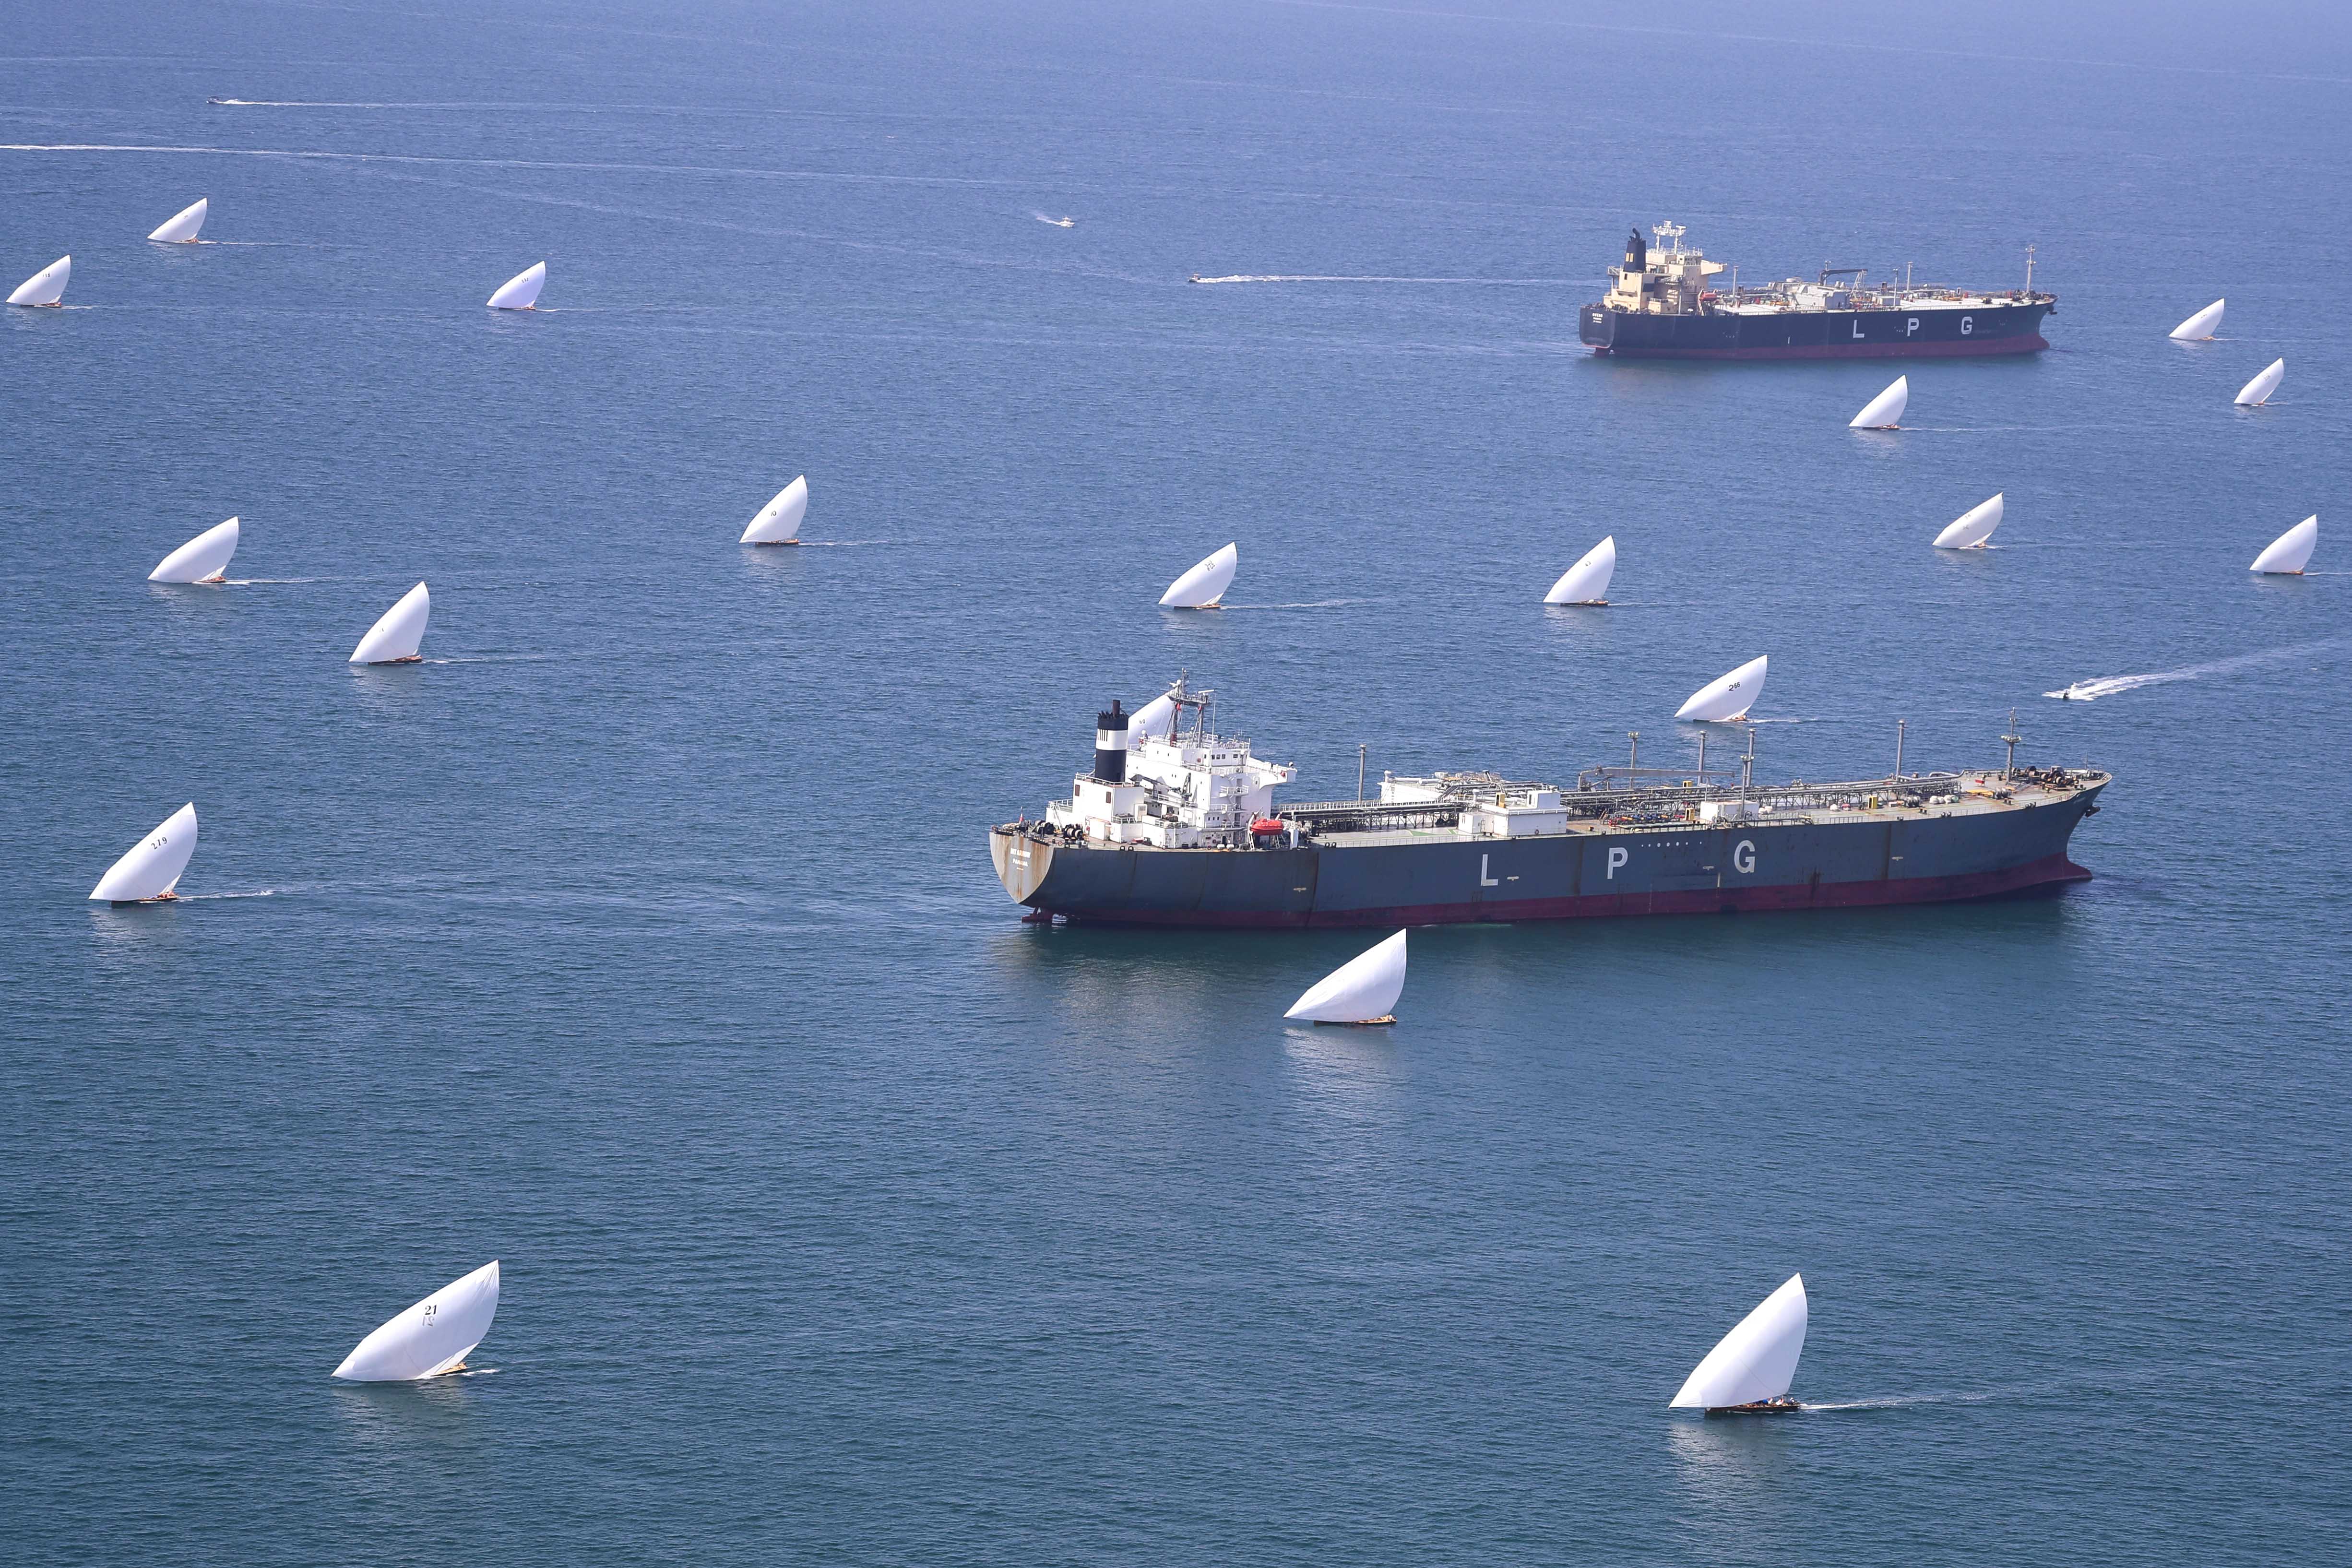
<point x="1974" y="527"/>
<point x="1364" y="989"/>
<point x="1179" y="786"/>
<point x="2290" y="552"/>
<point x="203" y="559"/>
<point x="432" y="1337"/>
<point x="1756" y="1360"/>
<point x="394" y="638"/>
<point x="1884" y="412"/>
<point x="1203" y="585"/>
<point x="2257" y="392"/>
<point x="1728" y="698"/>
<point x="182" y="226"/>
<point x="521" y="292"/>
<point x="47" y="287"/>
<point x="2202" y="325"/>
<point x="1587" y="582"/>
<point x="151" y="868"/>
<point x="779" y="521"/>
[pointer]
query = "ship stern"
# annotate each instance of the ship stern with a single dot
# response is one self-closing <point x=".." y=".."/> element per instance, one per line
<point x="1021" y="861"/>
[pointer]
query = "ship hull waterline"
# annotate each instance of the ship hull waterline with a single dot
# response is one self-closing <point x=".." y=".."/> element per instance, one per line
<point x="1750" y="867"/>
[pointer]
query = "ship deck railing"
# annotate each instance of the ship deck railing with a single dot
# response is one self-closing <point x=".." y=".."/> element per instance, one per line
<point x="1677" y="803"/>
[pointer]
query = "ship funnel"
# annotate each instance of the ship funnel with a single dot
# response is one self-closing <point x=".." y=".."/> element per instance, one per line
<point x="1636" y="253"/>
<point x="1110" y="745"/>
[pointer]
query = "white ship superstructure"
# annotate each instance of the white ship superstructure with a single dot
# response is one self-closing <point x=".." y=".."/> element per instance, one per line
<point x="1177" y="786"/>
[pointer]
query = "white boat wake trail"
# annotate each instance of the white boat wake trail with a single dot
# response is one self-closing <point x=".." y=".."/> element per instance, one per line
<point x="2107" y="686"/>
<point x="1370" y="278"/>
<point x="1312" y="604"/>
<point x="1903" y="1404"/>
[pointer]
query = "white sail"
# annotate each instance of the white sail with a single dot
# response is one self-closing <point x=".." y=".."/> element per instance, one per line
<point x="1727" y="697"/>
<point x="521" y="292"/>
<point x="203" y="559"/>
<point x="432" y="1337"/>
<point x="181" y="228"/>
<point x="1156" y="717"/>
<point x="153" y="867"/>
<point x="2290" y="551"/>
<point x="779" y="521"/>
<point x="1974" y="527"/>
<point x="1204" y="584"/>
<point x="1587" y="582"/>
<point x="1757" y="1359"/>
<point x="2203" y="325"/>
<point x="1363" y="990"/>
<point x="2258" y="391"/>
<point x="1884" y="412"/>
<point x="394" y="637"/>
<point x="47" y="287"/>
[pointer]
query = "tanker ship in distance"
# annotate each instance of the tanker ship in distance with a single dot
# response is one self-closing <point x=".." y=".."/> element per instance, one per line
<point x="1662" y="305"/>
<point x="1176" y="824"/>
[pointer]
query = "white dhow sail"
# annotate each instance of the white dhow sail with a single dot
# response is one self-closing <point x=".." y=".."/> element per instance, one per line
<point x="2290" y="552"/>
<point x="432" y="1337"/>
<point x="47" y="287"/>
<point x="2201" y="325"/>
<point x="151" y="869"/>
<point x="1721" y="700"/>
<point x="2253" y="394"/>
<point x="203" y="559"/>
<point x="1155" y="717"/>
<point x="521" y="292"/>
<point x="182" y="226"/>
<point x="1587" y="582"/>
<point x="779" y="521"/>
<point x="1974" y="527"/>
<point x="394" y="637"/>
<point x="1756" y="1360"/>
<point x="1884" y="412"/>
<point x="1364" y="989"/>
<point x="1203" y="585"/>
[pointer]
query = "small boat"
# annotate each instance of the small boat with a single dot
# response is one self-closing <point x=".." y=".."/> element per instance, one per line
<point x="1725" y="700"/>
<point x="1749" y="1370"/>
<point x="151" y="868"/>
<point x="203" y="559"/>
<point x="394" y="638"/>
<point x="521" y="292"/>
<point x="1196" y="278"/>
<point x="779" y="521"/>
<point x="2257" y="392"/>
<point x="1884" y="412"/>
<point x="181" y="228"/>
<point x="1364" y="989"/>
<point x="1587" y="582"/>
<point x="1974" y="527"/>
<point x="1203" y="585"/>
<point x="2290" y="552"/>
<point x="47" y="287"/>
<point x="432" y="1337"/>
<point x="1062" y="222"/>
<point x="2200" y="327"/>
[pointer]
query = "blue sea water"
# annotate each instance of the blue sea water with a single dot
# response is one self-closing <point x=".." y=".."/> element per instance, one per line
<point x="645" y="938"/>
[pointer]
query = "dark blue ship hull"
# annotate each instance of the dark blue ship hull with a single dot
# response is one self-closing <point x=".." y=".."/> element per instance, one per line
<point x="1819" y="334"/>
<point x="1817" y="863"/>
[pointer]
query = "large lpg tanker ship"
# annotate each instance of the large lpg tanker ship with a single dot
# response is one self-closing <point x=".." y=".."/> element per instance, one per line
<point x="1665" y="302"/>
<point x="1175" y="824"/>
